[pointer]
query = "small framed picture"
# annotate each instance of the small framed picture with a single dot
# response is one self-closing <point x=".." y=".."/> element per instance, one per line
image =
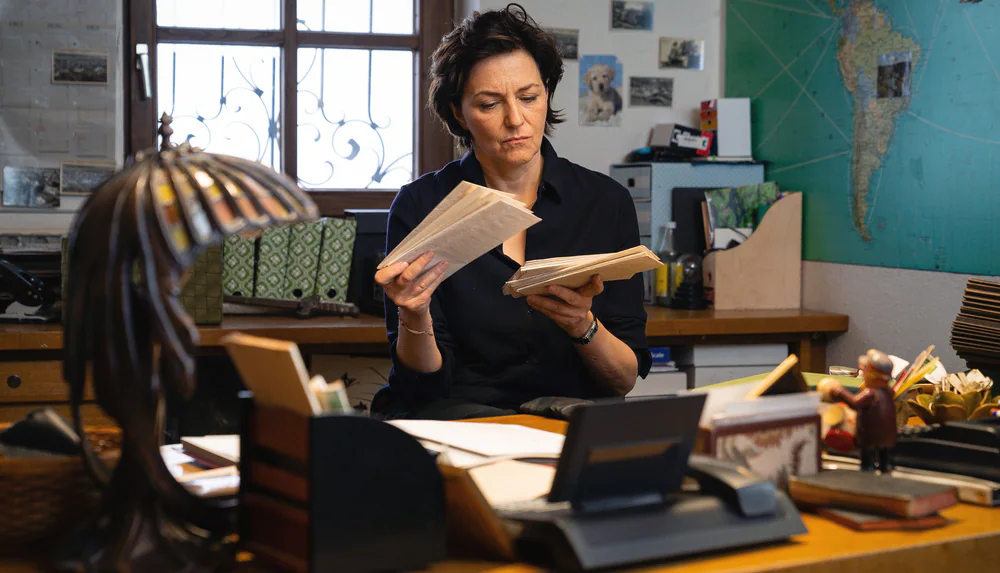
<point x="682" y="53"/>
<point x="79" y="67"/>
<point x="31" y="187"/>
<point x="567" y="42"/>
<point x="628" y="15"/>
<point x="84" y="177"/>
<point x="651" y="92"/>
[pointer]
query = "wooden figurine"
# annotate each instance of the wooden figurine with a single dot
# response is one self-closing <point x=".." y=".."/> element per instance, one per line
<point x="874" y="404"/>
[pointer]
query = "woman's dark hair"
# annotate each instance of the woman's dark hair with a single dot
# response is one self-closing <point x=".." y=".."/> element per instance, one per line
<point x="482" y="36"/>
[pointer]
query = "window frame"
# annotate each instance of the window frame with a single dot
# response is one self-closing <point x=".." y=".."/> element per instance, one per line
<point x="433" y="146"/>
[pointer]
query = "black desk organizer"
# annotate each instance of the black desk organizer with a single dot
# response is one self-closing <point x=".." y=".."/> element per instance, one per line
<point x="337" y="493"/>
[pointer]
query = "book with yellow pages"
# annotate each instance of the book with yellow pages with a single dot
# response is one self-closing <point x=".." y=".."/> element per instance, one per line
<point x="469" y="222"/>
<point x="573" y="272"/>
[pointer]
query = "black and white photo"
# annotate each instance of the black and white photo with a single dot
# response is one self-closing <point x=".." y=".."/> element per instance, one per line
<point x="83" y="178"/>
<point x="31" y="187"/>
<point x="894" y="75"/>
<point x="682" y="53"/>
<point x="567" y="42"/>
<point x="656" y="92"/>
<point x="79" y="67"/>
<point x="631" y="15"/>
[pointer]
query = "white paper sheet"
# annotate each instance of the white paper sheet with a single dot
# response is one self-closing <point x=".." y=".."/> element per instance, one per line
<point x="486" y="439"/>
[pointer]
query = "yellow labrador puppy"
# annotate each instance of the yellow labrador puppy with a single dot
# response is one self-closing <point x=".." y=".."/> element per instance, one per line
<point x="605" y="101"/>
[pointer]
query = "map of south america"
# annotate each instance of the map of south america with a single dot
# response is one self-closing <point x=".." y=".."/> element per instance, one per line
<point x="876" y="64"/>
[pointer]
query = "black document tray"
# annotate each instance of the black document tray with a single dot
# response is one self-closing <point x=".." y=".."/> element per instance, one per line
<point x="970" y="448"/>
<point x="687" y="525"/>
<point x="617" y="497"/>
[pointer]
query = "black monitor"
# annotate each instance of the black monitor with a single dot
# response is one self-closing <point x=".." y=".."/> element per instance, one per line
<point x="621" y="454"/>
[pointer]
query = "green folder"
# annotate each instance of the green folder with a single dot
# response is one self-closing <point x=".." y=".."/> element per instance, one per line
<point x="238" y="266"/>
<point x="305" y="245"/>
<point x="335" y="259"/>
<point x="272" y="262"/>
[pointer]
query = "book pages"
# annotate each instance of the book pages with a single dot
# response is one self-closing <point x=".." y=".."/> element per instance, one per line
<point x="469" y="222"/>
<point x="574" y="272"/>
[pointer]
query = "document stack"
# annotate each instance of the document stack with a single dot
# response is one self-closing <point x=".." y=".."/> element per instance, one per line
<point x="466" y="224"/>
<point x="574" y="272"/>
<point x="975" y="333"/>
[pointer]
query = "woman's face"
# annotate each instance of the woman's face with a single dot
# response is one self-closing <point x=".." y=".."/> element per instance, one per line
<point x="504" y="107"/>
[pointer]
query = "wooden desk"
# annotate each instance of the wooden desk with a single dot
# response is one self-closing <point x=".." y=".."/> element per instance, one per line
<point x="970" y="543"/>
<point x="32" y="354"/>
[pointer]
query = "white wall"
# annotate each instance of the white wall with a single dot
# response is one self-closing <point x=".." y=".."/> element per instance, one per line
<point x="898" y="311"/>
<point x="598" y="147"/>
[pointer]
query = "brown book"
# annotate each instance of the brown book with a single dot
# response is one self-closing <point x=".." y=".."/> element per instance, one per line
<point x="872" y="493"/>
<point x="873" y="522"/>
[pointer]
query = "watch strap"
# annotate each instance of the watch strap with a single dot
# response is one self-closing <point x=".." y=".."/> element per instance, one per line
<point x="589" y="335"/>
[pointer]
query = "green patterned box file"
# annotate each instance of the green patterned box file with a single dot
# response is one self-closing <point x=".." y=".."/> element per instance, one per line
<point x="272" y="261"/>
<point x="306" y="242"/>
<point x="202" y="294"/>
<point x="335" y="259"/>
<point x="238" y="266"/>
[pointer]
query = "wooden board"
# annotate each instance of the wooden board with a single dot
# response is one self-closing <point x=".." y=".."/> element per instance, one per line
<point x="764" y="272"/>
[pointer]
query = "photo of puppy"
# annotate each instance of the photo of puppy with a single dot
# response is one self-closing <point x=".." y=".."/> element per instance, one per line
<point x="600" y="90"/>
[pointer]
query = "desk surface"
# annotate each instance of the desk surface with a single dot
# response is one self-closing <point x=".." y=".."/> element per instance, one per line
<point x="970" y="543"/>
<point x="366" y="329"/>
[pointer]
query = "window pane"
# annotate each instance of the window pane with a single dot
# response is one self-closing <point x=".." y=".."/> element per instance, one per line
<point x="392" y="16"/>
<point x="358" y="16"/>
<point x="355" y="127"/>
<point x="226" y="14"/>
<point x="223" y="99"/>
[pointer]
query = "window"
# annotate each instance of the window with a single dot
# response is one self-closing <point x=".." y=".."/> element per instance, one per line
<point x="331" y="92"/>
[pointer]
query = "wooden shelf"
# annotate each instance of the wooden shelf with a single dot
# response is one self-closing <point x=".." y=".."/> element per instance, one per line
<point x="366" y="329"/>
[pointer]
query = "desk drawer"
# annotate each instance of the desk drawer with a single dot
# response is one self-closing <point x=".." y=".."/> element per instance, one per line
<point x="92" y="414"/>
<point x="636" y="179"/>
<point x="36" y="381"/>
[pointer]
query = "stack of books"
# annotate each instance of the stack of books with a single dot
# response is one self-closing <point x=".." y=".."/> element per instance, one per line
<point x="466" y="224"/>
<point x="975" y="333"/>
<point x="534" y="277"/>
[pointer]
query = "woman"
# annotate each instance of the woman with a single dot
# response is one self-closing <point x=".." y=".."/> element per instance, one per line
<point x="460" y="348"/>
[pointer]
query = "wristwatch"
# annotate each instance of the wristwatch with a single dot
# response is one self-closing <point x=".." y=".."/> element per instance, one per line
<point x="589" y="335"/>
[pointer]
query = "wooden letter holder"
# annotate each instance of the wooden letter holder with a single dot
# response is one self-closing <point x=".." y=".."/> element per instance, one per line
<point x="337" y="493"/>
<point x="765" y="272"/>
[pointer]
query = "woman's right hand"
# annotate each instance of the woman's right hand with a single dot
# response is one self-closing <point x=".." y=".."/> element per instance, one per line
<point x="412" y="294"/>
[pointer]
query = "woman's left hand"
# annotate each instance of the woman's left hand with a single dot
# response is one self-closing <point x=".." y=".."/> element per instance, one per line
<point x="568" y="308"/>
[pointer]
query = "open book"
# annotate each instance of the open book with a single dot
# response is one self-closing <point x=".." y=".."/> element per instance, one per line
<point x="574" y="272"/>
<point x="466" y="224"/>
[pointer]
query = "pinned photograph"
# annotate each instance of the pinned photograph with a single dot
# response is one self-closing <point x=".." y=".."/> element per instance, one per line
<point x="567" y="42"/>
<point x="682" y="53"/>
<point x="31" y="187"/>
<point x="655" y="92"/>
<point x="894" y="75"/>
<point x="83" y="178"/>
<point x="79" y="67"/>
<point x="600" y="91"/>
<point x="631" y="15"/>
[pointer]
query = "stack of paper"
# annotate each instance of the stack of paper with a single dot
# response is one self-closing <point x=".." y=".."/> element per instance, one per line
<point x="468" y="223"/>
<point x="574" y="272"/>
<point x="975" y="333"/>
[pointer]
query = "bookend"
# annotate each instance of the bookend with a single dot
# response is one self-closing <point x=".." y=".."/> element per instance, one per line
<point x="337" y="493"/>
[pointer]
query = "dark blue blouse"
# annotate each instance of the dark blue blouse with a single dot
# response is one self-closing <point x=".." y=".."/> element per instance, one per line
<point x="496" y="350"/>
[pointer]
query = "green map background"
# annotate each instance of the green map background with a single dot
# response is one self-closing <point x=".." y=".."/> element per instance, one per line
<point x="910" y="182"/>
